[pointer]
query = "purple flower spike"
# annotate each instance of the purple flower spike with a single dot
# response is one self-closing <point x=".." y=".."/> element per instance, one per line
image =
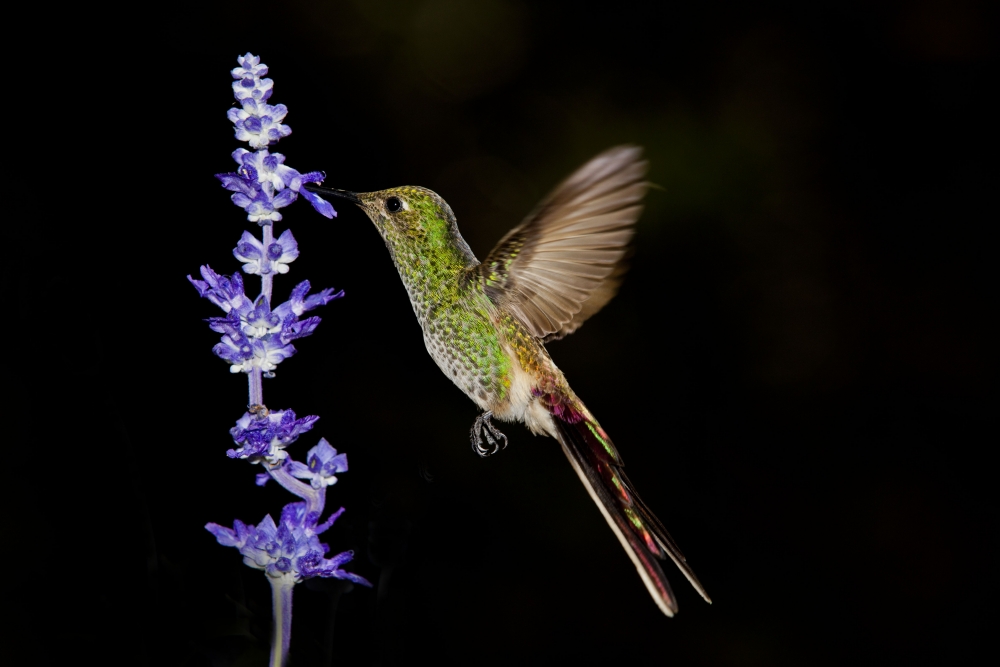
<point x="255" y="338"/>
<point x="324" y="463"/>
<point x="265" y="438"/>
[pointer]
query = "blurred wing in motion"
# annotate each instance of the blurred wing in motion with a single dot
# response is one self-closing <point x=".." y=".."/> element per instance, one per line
<point x="564" y="262"/>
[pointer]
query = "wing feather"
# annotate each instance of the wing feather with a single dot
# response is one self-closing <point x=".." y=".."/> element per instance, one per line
<point x="565" y="261"/>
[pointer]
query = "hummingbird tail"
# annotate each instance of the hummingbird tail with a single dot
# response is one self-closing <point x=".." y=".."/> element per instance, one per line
<point x="643" y="536"/>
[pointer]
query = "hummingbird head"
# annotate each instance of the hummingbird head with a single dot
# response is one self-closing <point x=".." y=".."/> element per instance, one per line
<point x="414" y="223"/>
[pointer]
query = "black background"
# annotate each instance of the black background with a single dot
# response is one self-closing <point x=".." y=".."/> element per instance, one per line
<point x="797" y="370"/>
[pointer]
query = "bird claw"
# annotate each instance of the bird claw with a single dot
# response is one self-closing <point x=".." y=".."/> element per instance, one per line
<point x="495" y="439"/>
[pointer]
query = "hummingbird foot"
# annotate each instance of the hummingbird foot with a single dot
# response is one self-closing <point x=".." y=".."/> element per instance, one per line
<point x="494" y="438"/>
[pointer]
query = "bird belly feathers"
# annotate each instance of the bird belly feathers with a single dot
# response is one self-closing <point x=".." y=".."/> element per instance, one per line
<point x="469" y="348"/>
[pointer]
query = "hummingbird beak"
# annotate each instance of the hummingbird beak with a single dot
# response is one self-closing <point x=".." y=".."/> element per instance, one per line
<point x="334" y="192"/>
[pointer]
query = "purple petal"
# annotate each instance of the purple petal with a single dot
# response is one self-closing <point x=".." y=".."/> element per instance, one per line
<point x="199" y="285"/>
<point x="284" y="198"/>
<point x="301" y="329"/>
<point x="225" y="536"/>
<point x="322" y="206"/>
<point x="293" y="514"/>
<point x="248" y="248"/>
<point x="338" y="463"/>
<point x="356" y="578"/>
<point x="252" y="124"/>
<point x="312" y="177"/>
<point x="233" y="182"/>
<point x="322" y="451"/>
<point x="277" y="112"/>
<point x="288" y="242"/>
<point x="321" y="299"/>
<point x="242" y="200"/>
<point x="329" y="522"/>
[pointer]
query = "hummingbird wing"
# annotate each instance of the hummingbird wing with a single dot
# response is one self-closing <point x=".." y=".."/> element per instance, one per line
<point x="598" y="298"/>
<point x="558" y="267"/>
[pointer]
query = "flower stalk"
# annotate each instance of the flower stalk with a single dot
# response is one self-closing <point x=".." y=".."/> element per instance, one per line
<point x="281" y="615"/>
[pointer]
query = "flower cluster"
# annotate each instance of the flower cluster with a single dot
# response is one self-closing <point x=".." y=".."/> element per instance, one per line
<point x="253" y="334"/>
<point x="290" y="548"/>
<point x="263" y="183"/>
<point x="263" y="437"/>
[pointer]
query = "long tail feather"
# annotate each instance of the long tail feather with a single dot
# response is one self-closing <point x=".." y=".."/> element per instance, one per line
<point x="643" y="536"/>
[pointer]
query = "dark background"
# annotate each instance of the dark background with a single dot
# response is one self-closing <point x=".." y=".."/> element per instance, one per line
<point x="797" y="370"/>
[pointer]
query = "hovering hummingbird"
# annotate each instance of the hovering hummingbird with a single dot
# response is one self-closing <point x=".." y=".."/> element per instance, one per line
<point x="486" y="324"/>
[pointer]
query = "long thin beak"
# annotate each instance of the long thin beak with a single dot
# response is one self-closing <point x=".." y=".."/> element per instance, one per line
<point x="334" y="192"/>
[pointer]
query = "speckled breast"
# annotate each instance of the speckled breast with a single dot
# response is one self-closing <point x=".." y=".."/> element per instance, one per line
<point x="461" y="337"/>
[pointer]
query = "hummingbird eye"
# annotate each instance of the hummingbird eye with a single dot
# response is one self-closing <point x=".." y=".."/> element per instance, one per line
<point x="393" y="204"/>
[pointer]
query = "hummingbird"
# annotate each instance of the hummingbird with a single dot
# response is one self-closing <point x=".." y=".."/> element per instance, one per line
<point x="486" y="323"/>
